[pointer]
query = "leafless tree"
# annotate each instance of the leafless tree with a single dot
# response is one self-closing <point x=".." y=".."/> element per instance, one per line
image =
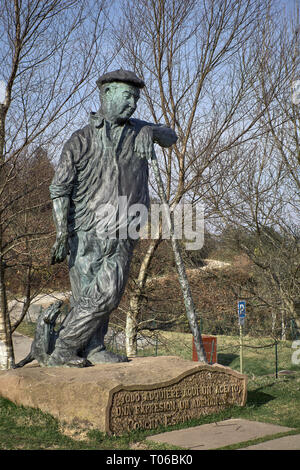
<point x="259" y="194"/>
<point x="51" y="51"/>
<point x="199" y="64"/>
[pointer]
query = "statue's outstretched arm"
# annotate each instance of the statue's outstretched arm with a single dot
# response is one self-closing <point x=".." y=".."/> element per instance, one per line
<point x="153" y="134"/>
<point x="164" y="136"/>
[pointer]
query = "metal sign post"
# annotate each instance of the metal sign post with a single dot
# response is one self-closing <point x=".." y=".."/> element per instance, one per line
<point x="242" y="316"/>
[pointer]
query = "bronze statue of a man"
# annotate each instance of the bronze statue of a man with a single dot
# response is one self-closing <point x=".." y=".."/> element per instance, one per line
<point x="101" y="164"/>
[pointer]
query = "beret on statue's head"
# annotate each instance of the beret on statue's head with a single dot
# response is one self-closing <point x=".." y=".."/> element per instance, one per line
<point x="125" y="76"/>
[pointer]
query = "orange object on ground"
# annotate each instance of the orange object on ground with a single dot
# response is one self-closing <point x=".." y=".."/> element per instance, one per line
<point x="210" y="346"/>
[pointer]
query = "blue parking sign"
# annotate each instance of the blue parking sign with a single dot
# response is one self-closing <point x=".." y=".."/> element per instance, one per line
<point x="242" y="308"/>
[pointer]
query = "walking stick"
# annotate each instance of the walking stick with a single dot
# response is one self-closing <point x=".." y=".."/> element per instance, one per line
<point x="183" y="280"/>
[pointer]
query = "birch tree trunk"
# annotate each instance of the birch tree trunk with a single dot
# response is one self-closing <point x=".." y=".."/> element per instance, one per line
<point x="131" y="326"/>
<point x="183" y="280"/>
<point x="6" y="347"/>
<point x="132" y="317"/>
<point x="283" y="326"/>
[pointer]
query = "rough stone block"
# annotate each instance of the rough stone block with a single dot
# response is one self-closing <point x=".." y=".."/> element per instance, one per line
<point x="141" y="394"/>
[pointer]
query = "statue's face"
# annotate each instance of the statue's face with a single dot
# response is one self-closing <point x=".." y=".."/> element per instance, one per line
<point x="119" y="101"/>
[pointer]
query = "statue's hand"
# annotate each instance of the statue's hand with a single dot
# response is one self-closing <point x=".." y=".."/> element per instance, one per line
<point x="60" y="249"/>
<point x="144" y="142"/>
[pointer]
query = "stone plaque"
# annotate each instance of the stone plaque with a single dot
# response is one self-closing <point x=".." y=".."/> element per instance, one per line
<point x="199" y="391"/>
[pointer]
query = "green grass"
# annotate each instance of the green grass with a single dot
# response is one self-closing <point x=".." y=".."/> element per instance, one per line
<point x="258" y="353"/>
<point x="27" y="329"/>
<point x="270" y="399"/>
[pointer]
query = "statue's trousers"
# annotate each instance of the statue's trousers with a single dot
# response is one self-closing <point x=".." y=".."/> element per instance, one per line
<point x="98" y="271"/>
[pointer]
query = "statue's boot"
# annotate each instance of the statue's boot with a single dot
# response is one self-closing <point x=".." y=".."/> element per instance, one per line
<point x="95" y="350"/>
<point x="100" y="355"/>
<point x="62" y="357"/>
